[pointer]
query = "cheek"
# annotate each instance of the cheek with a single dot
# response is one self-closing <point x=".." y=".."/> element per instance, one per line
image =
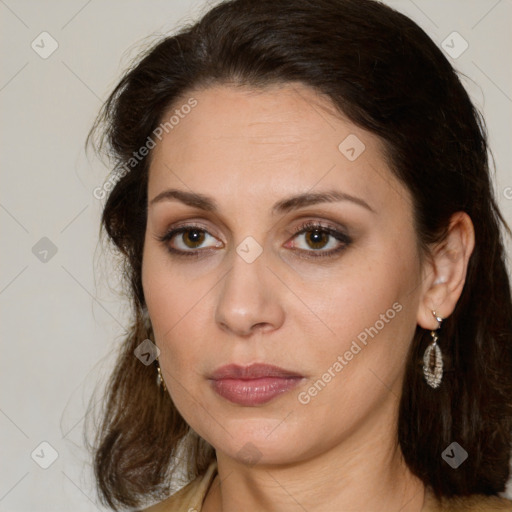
<point x="167" y="294"/>
<point x="174" y="304"/>
<point x="370" y="311"/>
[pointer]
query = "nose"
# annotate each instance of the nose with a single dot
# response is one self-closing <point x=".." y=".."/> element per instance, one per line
<point x="249" y="299"/>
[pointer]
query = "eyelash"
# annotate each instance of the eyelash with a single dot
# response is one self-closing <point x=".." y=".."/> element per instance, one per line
<point x="303" y="228"/>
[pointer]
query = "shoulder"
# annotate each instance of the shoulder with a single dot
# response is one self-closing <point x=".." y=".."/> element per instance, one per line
<point x="189" y="498"/>
<point x="473" y="503"/>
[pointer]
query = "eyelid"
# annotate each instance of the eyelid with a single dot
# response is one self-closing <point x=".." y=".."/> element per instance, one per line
<point x="316" y="224"/>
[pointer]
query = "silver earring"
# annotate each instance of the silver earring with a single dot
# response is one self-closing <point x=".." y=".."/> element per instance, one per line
<point x="149" y="335"/>
<point x="159" y="378"/>
<point x="433" y="358"/>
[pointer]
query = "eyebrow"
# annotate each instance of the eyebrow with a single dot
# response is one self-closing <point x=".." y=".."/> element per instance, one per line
<point x="292" y="203"/>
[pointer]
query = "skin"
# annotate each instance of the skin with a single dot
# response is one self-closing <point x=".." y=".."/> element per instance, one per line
<point x="248" y="149"/>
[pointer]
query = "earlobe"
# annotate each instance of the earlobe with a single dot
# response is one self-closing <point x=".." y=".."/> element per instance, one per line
<point x="447" y="273"/>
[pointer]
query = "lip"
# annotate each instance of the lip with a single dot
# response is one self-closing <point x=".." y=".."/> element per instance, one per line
<point x="253" y="385"/>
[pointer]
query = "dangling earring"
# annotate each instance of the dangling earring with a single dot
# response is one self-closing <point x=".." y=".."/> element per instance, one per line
<point x="159" y="378"/>
<point x="149" y="336"/>
<point x="433" y="358"/>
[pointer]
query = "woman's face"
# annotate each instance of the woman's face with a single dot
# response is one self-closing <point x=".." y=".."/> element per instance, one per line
<point x="300" y="253"/>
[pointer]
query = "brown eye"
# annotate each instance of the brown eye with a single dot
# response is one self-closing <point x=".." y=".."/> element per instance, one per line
<point x="189" y="240"/>
<point x="317" y="239"/>
<point x="320" y="241"/>
<point x="193" y="238"/>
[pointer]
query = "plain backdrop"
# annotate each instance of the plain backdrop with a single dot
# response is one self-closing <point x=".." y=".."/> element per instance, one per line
<point x="60" y="320"/>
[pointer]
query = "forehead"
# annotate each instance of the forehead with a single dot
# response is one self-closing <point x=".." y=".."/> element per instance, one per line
<point x="247" y="144"/>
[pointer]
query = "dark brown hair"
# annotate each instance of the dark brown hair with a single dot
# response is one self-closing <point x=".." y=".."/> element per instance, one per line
<point x="387" y="76"/>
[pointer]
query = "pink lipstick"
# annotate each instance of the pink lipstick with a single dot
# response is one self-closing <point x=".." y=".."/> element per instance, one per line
<point x="252" y="385"/>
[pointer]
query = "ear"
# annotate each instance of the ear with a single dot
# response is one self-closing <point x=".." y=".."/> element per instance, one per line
<point x="445" y="272"/>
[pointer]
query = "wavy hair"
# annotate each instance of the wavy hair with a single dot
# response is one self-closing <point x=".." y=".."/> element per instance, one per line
<point x="387" y="76"/>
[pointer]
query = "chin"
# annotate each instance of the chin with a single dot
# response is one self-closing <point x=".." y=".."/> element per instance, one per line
<point x="258" y="441"/>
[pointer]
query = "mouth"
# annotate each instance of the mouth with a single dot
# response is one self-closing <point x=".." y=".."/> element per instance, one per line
<point x="253" y="385"/>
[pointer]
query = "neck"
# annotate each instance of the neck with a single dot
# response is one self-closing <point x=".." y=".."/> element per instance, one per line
<point x="364" y="472"/>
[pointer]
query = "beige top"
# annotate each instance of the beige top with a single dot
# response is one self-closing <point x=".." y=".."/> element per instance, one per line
<point x="190" y="499"/>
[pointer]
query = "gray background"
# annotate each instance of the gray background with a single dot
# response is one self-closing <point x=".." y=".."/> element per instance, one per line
<point x="60" y="321"/>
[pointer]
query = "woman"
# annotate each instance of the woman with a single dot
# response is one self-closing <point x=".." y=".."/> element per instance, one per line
<point x="303" y="204"/>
